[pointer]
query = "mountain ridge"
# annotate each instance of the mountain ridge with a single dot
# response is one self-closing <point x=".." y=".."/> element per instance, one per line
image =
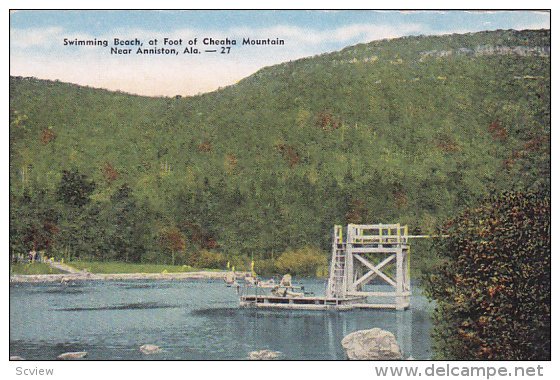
<point x="272" y="162"/>
<point x="480" y="50"/>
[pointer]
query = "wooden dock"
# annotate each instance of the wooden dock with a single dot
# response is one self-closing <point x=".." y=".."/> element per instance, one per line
<point x="311" y="303"/>
<point x="300" y="303"/>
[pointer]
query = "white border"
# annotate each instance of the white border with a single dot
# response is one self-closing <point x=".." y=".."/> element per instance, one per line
<point x="234" y="370"/>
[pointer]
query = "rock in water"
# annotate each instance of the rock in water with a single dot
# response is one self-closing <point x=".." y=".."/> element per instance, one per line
<point x="374" y="344"/>
<point x="264" y="355"/>
<point x="148" y="349"/>
<point x="15" y="357"/>
<point x="72" y="355"/>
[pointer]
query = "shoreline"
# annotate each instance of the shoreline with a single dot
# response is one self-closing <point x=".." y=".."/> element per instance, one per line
<point x="86" y="276"/>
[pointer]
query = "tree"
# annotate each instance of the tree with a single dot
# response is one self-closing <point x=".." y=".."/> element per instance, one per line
<point x="127" y="226"/>
<point x="34" y="222"/>
<point x="81" y="234"/>
<point x="493" y="288"/>
<point x="172" y="241"/>
<point x="78" y="216"/>
<point x="74" y="188"/>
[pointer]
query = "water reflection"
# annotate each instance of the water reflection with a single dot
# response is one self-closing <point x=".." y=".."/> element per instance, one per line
<point x="312" y="334"/>
<point x="128" y="306"/>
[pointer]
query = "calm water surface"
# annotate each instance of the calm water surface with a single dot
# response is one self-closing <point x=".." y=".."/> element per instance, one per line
<point x="190" y="320"/>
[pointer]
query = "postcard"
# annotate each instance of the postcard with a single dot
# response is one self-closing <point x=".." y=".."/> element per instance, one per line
<point x="293" y="185"/>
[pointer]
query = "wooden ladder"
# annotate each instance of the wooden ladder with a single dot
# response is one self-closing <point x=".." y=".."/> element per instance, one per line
<point x="335" y="284"/>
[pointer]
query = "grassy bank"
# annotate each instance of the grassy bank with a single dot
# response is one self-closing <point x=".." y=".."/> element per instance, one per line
<point x="33" y="268"/>
<point x="107" y="267"/>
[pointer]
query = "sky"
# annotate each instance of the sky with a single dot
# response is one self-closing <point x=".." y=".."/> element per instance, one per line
<point x="37" y="42"/>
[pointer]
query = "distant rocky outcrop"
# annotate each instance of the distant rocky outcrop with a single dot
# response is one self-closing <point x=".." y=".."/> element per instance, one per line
<point x="72" y="355"/>
<point x="485" y="50"/>
<point x="373" y="344"/>
<point x="264" y="355"/>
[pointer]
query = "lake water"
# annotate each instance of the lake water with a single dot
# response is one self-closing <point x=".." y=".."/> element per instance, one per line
<point x="190" y="320"/>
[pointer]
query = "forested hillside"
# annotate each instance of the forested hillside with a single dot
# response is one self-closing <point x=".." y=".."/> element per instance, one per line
<point x="409" y="131"/>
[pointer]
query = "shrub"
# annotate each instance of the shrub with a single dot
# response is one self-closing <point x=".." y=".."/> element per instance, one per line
<point x="301" y="262"/>
<point x="208" y="259"/>
<point x="240" y="262"/>
<point x="493" y="290"/>
<point x="265" y="267"/>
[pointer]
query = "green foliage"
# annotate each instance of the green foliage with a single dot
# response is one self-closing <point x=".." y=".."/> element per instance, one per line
<point x="74" y="188"/>
<point x="265" y="267"/>
<point x="493" y="290"/>
<point x="128" y="232"/>
<point x="109" y="267"/>
<point x="211" y="260"/>
<point x="33" y="268"/>
<point x="379" y="133"/>
<point x="172" y="241"/>
<point x="33" y="222"/>
<point x="306" y="261"/>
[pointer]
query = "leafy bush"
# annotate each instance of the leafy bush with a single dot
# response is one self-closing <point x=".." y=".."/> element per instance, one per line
<point x="265" y="267"/>
<point x="209" y="259"/>
<point x="120" y="267"/>
<point x="493" y="291"/>
<point x="301" y="262"/>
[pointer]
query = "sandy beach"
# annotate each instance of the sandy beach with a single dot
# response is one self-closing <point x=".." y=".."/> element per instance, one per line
<point x="85" y="276"/>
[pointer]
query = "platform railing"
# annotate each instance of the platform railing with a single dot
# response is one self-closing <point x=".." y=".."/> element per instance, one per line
<point x="379" y="234"/>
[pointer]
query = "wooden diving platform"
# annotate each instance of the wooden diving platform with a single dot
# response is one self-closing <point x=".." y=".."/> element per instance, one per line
<point x="366" y="252"/>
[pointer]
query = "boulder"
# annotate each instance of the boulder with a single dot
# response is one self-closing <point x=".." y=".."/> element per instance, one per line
<point x="15" y="357"/>
<point x="264" y="355"/>
<point x="72" y="355"/>
<point x="373" y="344"/>
<point x="148" y="349"/>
